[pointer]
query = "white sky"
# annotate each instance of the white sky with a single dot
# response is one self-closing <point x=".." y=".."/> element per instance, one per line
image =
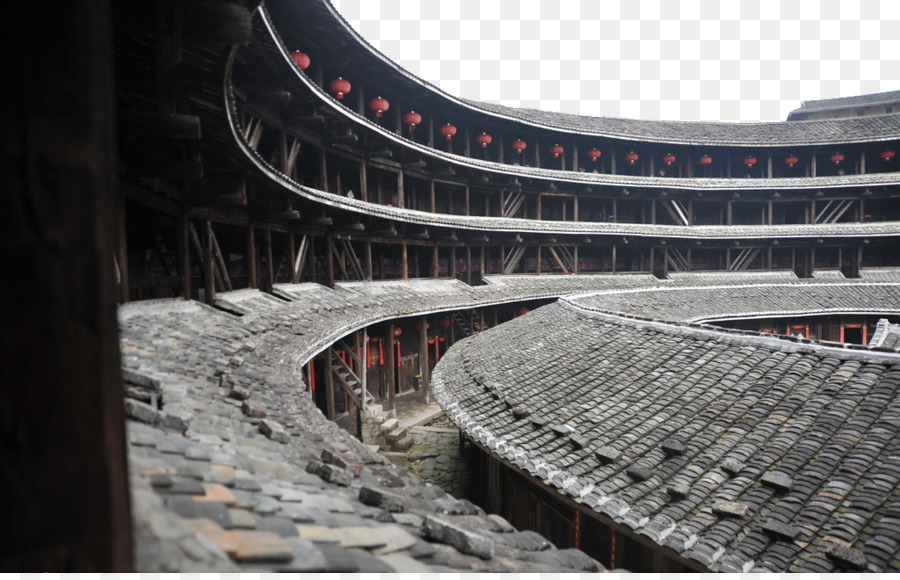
<point x="691" y="60"/>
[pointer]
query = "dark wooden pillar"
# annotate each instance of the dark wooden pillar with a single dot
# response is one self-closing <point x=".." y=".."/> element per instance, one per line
<point x="329" y="249"/>
<point x="122" y="251"/>
<point x="391" y="361"/>
<point x="252" y="279"/>
<point x="209" y="267"/>
<point x="184" y="253"/>
<point x="63" y="472"/>
<point x="329" y="383"/>
<point x="423" y="358"/>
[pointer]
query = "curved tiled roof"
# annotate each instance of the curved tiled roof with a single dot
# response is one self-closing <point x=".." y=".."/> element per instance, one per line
<point x="775" y="134"/>
<point x="739" y="453"/>
<point x="699" y="303"/>
<point x="705" y="134"/>
<point x="854" y="101"/>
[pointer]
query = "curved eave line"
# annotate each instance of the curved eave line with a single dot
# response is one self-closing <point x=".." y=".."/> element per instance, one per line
<point x="582" y="178"/>
<point x="480" y="223"/>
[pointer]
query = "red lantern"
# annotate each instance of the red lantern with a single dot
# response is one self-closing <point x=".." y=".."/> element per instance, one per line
<point x="446" y="323"/>
<point x="448" y="131"/>
<point x="791" y="160"/>
<point x="339" y="87"/>
<point x="397" y="332"/>
<point x="594" y="154"/>
<point x="523" y="311"/>
<point x="705" y="160"/>
<point x="519" y="146"/>
<point x="484" y="140"/>
<point x="412" y="119"/>
<point x="669" y="159"/>
<point x="749" y="161"/>
<point x="837" y="158"/>
<point x="887" y="154"/>
<point x="631" y="157"/>
<point x="557" y="150"/>
<point x="379" y="105"/>
<point x="301" y="59"/>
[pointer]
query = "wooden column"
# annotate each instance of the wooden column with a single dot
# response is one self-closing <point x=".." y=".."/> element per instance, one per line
<point x="401" y="196"/>
<point x="452" y="268"/>
<point x="363" y="182"/>
<point x="329" y="384"/>
<point x="209" y="267"/>
<point x="431" y="197"/>
<point x="369" y="260"/>
<point x="271" y="264"/>
<point x="391" y="362"/>
<point x="252" y="275"/>
<point x="122" y="250"/>
<point x="404" y="261"/>
<point x="184" y="253"/>
<point x="64" y="479"/>
<point x="329" y="249"/>
<point x="423" y="358"/>
<point x="468" y="264"/>
<point x="468" y="209"/>
<point x="538" y="266"/>
<point x="435" y="267"/>
<point x="311" y="258"/>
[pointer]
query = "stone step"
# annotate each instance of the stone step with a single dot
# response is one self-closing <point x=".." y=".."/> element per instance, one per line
<point x="390" y="425"/>
<point x="396" y="435"/>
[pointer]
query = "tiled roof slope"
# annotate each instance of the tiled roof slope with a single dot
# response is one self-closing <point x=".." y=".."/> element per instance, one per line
<point x="694" y="304"/>
<point x="854" y="101"/>
<point x="234" y="468"/>
<point x="736" y="453"/>
<point x="771" y="134"/>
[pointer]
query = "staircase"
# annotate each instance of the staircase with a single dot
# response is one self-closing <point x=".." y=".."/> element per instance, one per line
<point x="349" y="381"/>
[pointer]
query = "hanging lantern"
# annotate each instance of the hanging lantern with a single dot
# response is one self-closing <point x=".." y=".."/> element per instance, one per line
<point x="448" y="131"/>
<point x="523" y="311"/>
<point x="887" y="154"/>
<point x="837" y="158"/>
<point x="557" y="150"/>
<point x="339" y="87"/>
<point x="749" y="161"/>
<point x="484" y="140"/>
<point x="397" y="332"/>
<point x="791" y="160"/>
<point x="669" y="159"/>
<point x="419" y="325"/>
<point x="594" y="154"/>
<point x="301" y="59"/>
<point x="631" y="157"/>
<point x="705" y="160"/>
<point x="446" y="323"/>
<point x="519" y="146"/>
<point x="379" y="105"/>
<point x="412" y="119"/>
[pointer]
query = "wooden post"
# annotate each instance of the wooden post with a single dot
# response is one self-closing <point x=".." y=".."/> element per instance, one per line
<point x="271" y="265"/>
<point x="391" y="368"/>
<point x="452" y="268"/>
<point x="65" y="489"/>
<point x="431" y="196"/>
<point x="468" y="264"/>
<point x="329" y="384"/>
<point x="253" y="279"/>
<point x="423" y="358"/>
<point x="209" y="267"/>
<point x="435" y="266"/>
<point x="369" y="275"/>
<point x="184" y="253"/>
<point x="329" y="249"/>
<point x="363" y="182"/>
<point x="404" y="261"/>
<point x="311" y="258"/>
<point x="122" y="251"/>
